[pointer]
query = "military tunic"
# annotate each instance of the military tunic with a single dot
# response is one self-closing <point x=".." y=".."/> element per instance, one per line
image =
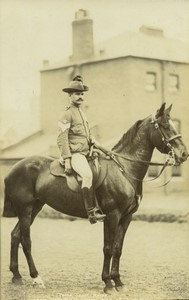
<point x="74" y="133"/>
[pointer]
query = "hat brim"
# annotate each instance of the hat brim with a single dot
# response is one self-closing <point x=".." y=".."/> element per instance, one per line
<point x="71" y="90"/>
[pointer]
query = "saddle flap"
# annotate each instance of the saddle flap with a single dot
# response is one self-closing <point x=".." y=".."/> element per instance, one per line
<point x="58" y="170"/>
<point x="74" y="180"/>
<point x="99" y="173"/>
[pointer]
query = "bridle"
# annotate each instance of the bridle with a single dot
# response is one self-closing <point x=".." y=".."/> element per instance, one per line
<point x="170" y="161"/>
<point x="166" y="141"/>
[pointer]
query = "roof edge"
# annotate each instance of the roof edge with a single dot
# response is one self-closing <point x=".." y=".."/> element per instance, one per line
<point x="80" y="63"/>
<point x="26" y="139"/>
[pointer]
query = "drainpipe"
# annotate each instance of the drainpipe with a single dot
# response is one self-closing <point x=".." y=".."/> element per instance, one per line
<point x="162" y="82"/>
<point x="162" y="101"/>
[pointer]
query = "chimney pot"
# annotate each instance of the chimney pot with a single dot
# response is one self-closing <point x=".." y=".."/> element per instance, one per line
<point x="81" y="14"/>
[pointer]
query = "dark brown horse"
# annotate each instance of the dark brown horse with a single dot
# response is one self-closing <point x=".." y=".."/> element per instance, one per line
<point x="30" y="185"/>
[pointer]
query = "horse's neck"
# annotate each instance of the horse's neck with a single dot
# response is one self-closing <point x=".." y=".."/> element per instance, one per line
<point x="139" y="149"/>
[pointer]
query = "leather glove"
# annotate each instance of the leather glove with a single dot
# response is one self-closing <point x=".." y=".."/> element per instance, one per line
<point x="68" y="166"/>
<point x="92" y="141"/>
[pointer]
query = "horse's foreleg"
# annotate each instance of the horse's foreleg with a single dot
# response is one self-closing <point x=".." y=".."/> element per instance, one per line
<point x="107" y="259"/>
<point x="15" y="241"/>
<point x="110" y="224"/>
<point x="117" y="251"/>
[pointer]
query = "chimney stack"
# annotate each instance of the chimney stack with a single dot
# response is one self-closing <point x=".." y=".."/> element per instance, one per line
<point x="82" y="36"/>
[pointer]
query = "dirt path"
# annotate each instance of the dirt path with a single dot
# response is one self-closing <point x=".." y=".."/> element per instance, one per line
<point x="68" y="255"/>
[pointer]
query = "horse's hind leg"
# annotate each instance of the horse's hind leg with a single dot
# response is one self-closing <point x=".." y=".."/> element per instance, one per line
<point x="15" y="241"/>
<point x="26" y="218"/>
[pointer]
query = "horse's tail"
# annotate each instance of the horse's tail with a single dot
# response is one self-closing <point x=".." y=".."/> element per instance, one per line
<point x="8" y="210"/>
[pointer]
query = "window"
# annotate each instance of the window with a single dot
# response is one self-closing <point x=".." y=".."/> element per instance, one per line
<point x="151" y="81"/>
<point x="173" y="83"/>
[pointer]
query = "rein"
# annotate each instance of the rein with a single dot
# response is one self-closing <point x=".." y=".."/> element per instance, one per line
<point x="112" y="155"/>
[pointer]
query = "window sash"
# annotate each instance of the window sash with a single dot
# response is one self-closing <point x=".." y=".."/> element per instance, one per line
<point x="173" y="83"/>
<point x="150" y="81"/>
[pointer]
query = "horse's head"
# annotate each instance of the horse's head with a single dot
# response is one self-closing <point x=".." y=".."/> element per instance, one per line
<point x="165" y="137"/>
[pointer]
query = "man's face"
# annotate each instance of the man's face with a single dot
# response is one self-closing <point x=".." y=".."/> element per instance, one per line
<point x="77" y="98"/>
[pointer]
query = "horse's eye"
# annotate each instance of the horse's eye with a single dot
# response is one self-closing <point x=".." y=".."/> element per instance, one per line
<point x="166" y="125"/>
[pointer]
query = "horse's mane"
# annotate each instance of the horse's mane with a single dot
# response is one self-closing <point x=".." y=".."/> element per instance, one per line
<point x="128" y="137"/>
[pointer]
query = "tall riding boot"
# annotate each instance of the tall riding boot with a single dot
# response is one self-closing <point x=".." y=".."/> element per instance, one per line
<point x="94" y="214"/>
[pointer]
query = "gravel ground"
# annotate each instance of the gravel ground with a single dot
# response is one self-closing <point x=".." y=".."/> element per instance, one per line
<point x="68" y="255"/>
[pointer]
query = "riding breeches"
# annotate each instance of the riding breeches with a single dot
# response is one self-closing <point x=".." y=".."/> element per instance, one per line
<point x="81" y="166"/>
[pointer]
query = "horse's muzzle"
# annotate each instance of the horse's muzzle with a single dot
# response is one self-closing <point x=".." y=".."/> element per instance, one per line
<point x="182" y="158"/>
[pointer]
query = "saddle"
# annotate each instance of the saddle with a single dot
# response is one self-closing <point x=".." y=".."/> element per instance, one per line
<point x="74" y="180"/>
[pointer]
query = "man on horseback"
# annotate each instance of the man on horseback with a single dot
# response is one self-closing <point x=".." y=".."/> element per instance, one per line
<point x="74" y="141"/>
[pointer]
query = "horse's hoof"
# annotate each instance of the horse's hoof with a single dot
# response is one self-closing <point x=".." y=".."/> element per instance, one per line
<point x="38" y="282"/>
<point x="17" y="281"/>
<point x="121" y="288"/>
<point x="110" y="291"/>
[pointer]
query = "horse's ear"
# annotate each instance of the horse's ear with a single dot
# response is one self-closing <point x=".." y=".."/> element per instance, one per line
<point x="160" y="111"/>
<point x="169" y="109"/>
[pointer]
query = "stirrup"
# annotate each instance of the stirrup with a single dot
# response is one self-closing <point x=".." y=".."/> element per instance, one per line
<point x="95" y="215"/>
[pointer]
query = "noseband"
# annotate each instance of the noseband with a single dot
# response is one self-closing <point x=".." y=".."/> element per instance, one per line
<point x="166" y="141"/>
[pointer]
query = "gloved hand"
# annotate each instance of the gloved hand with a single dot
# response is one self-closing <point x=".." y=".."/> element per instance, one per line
<point x="96" y="144"/>
<point x="91" y="141"/>
<point x="68" y="166"/>
<point x="61" y="161"/>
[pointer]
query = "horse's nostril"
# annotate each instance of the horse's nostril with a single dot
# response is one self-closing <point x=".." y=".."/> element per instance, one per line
<point x="185" y="155"/>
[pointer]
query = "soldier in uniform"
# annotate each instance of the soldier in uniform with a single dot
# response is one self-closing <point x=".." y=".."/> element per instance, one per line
<point x="74" y="142"/>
